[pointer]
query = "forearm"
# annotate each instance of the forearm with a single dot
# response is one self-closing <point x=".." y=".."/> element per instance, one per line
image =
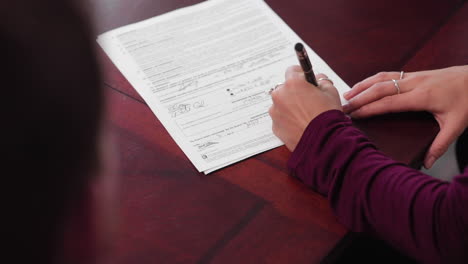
<point x="370" y="192"/>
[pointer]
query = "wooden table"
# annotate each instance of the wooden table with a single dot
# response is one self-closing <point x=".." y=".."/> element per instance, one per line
<point x="253" y="211"/>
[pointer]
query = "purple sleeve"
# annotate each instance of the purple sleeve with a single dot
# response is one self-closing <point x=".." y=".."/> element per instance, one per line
<point x="424" y="217"/>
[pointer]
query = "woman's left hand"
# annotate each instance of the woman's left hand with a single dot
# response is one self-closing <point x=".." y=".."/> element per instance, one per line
<point x="443" y="92"/>
<point x="297" y="102"/>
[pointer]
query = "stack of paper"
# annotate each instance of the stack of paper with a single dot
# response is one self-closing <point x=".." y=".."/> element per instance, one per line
<point x="206" y="70"/>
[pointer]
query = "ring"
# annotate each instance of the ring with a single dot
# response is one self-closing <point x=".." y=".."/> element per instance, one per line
<point x="396" y="85"/>
<point x="325" y="79"/>
<point x="274" y="88"/>
<point x="401" y="75"/>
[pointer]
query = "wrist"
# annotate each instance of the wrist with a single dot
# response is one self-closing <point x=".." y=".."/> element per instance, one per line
<point x="315" y="128"/>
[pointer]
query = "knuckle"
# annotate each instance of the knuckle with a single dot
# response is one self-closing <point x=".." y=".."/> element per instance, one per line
<point x="356" y="87"/>
<point x="384" y="76"/>
<point x="378" y="91"/>
<point x="274" y="97"/>
<point x="384" y="89"/>
<point x="381" y="75"/>
<point x="438" y="150"/>
<point x="377" y="86"/>
<point x="270" y="111"/>
<point x="321" y="75"/>
<point x="274" y="129"/>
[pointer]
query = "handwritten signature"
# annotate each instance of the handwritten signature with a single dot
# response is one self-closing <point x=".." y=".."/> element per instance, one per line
<point x="183" y="108"/>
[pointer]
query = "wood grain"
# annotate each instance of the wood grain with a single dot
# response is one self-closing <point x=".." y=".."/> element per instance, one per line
<point x="253" y="211"/>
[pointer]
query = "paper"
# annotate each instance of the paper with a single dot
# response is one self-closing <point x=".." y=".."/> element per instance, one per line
<point x="206" y="70"/>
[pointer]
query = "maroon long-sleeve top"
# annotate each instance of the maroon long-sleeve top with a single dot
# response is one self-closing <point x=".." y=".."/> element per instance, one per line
<point x="422" y="216"/>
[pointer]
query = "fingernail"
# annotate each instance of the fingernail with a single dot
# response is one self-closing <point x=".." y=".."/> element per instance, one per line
<point x="346" y="94"/>
<point x="429" y="162"/>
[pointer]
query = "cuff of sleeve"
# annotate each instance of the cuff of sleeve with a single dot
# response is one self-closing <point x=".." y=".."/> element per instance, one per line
<point x="312" y="133"/>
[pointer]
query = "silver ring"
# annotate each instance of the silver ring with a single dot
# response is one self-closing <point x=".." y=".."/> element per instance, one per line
<point x="395" y="82"/>
<point x="401" y="75"/>
<point x="274" y="88"/>
<point x="325" y="79"/>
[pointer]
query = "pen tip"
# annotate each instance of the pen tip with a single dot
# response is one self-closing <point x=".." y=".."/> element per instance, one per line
<point x="299" y="47"/>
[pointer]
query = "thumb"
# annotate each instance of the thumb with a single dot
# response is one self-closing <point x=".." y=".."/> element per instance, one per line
<point x="447" y="134"/>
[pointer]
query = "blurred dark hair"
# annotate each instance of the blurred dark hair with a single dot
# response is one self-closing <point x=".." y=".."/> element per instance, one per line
<point x="51" y="110"/>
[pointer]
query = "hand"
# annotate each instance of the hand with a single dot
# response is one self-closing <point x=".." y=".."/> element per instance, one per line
<point x="297" y="102"/>
<point x="444" y="93"/>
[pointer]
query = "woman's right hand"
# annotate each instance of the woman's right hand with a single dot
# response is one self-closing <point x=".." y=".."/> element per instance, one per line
<point x="444" y="93"/>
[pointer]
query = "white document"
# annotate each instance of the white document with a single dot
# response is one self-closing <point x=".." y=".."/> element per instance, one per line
<point x="206" y="70"/>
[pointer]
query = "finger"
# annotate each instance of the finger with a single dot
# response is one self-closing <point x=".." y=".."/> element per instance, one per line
<point x="294" y="72"/>
<point x="272" y="113"/>
<point x="390" y="104"/>
<point x="324" y="83"/>
<point x="274" y="95"/>
<point x="365" y="84"/>
<point x="447" y="134"/>
<point x="276" y="87"/>
<point x="320" y="75"/>
<point x="372" y="94"/>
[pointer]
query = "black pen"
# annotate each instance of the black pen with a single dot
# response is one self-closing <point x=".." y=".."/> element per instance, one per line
<point x="305" y="64"/>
